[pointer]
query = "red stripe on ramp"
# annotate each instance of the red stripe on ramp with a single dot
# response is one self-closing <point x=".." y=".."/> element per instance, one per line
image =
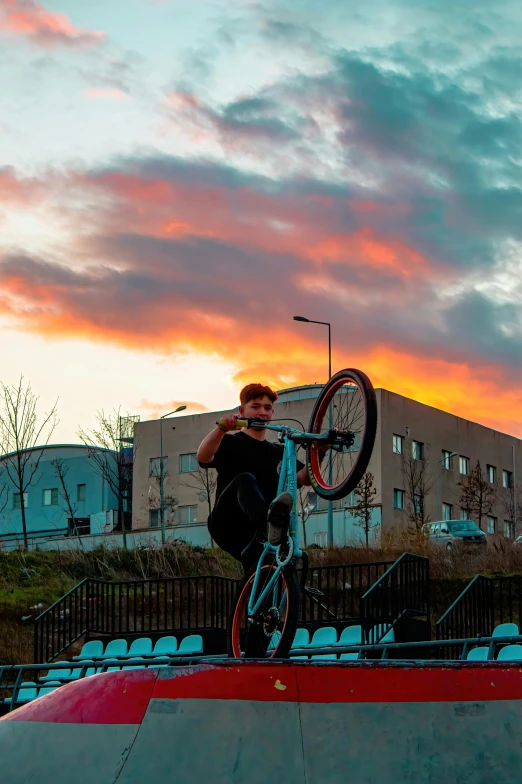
<point x="108" y="698"/>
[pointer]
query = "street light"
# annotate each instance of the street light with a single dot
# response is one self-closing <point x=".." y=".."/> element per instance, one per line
<point x="330" y="417"/>
<point x="162" y="500"/>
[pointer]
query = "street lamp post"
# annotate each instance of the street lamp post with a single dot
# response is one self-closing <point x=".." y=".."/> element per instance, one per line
<point x="162" y="499"/>
<point x="330" y="418"/>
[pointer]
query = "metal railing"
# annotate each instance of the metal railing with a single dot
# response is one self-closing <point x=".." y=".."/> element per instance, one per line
<point x="126" y="608"/>
<point x="164" y="605"/>
<point x="482" y="605"/>
<point x="402" y="591"/>
<point x="343" y="587"/>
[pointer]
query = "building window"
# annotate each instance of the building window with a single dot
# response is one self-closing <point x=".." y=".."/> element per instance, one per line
<point x="464" y="465"/>
<point x="50" y="497"/>
<point x="154" y="518"/>
<point x="398" y="445"/>
<point x="417" y="450"/>
<point x="155" y="466"/>
<point x="350" y="499"/>
<point x="17" y="501"/>
<point x="321" y="538"/>
<point x="447" y="511"/>
<point x="417" y="503"/>
<point x="509" y="529"/>
<point x="188" y="463"/>
<point x="446" y="459"/>
<point x="464" y="514"/>
<point x="398" y="499"/>
<point x="80" y="492"/>
<point x="507" y="478"/>
<point x="492" y="525"/>
<point x="491" y="473"/>
<point x="187" y="514"/>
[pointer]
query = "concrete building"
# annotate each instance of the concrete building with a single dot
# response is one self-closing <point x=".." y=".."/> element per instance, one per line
<point x="47" y="509"/>
<point x="411" y="436"/>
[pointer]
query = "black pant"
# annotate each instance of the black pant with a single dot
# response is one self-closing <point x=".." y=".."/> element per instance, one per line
<point x="240" y="512"/>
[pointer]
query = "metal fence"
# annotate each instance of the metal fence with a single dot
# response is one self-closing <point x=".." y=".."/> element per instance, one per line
<point x="135" y="607"/>
<point x="402" y="591"/>
<point x="482" y="605"/>
<point x="182" y="604"/>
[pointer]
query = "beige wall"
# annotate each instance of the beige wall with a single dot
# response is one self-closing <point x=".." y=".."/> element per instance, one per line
<point x="437" y="429"/>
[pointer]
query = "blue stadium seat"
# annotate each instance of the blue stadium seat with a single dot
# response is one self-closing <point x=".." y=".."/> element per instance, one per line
<point x="52" y="675"/>
<point x="48" y="688"/>
<point x="325" y="656"/>
<point x="141" y="647"/>
<point x="345" y="656"/>
<point x="191" y="644"/>
<point x="389" y="636"/>
<point x="301" y="639"/>
<point x="27" y="691"/>
<point x="478" y="654"/>
<point x="166" y="645"/>
<point x="115" y="648"/>
<point x="326" y="635"/>
<point x="510" y="653"/>
<point x="351" y="635"/>
<point x="274" y="640"/>
<point x="92" y="648"/>
<point x="505" y="630"/>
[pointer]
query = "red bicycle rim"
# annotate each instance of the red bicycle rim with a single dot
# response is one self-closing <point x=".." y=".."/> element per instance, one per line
<point x="314" y="452"/>
<point x="241" y="606"/>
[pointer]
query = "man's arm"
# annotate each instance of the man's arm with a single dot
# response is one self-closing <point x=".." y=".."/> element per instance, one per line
<point x="211" y="443"/>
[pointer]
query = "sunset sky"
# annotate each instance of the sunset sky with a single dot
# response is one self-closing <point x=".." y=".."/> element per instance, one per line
<point x="178" y="178"/>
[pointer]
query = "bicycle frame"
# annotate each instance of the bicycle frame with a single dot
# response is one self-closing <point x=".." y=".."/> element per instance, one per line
<point x="288" y="482"/>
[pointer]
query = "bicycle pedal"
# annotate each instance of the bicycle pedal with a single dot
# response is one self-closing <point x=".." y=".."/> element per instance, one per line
<point x="313" y="591"/>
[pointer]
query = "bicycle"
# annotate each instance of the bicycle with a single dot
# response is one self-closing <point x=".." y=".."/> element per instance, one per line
<point x="264" y="613"/>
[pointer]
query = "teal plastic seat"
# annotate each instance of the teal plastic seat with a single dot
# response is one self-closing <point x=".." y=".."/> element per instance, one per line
<point x="380" y="629"/>
<point x="141" y="647"/>
<point x="48" y="688"/>
<point x="115" y="648"/>
<point x="91" y="649"/>
<point x="505" y="630"/>
<point x="351" y="635"/>
<point x="326" y="635"/>
<point x="478" y="654"/>
<point x="52" y="675"/>
<point x="325" y="656"/>
<point x="301" y="639"/>
<point x="191" y="644"/>
<point x="27" y="691"/>
<point x="166" y="645"/>
<point x="510" y="653"/>
<point x="274" y="641"/>
<point x="346" y="656"/>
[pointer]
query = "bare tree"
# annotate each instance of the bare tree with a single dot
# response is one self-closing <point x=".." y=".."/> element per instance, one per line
<point x="304" y="508"/>
<point x="366" y="494"/>
<point x="170" y="503"/>
<point x="61" y="469"/>
<point x="418" y="484"/>
<point x="511" y="499"/>
<point x="21" y="433"/>
<point x="112" y="459"/>
<point x="204" y="480"/>
<point x="478" y="496"/>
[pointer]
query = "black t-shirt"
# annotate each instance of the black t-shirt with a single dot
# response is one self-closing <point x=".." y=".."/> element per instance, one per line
<point x="239" y="453"/>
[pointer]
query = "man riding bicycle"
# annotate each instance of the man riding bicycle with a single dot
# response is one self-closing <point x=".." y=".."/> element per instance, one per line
<point x="247" y="467"/>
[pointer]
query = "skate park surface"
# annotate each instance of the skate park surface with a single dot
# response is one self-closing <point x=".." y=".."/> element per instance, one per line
<point x="291" y="722"/>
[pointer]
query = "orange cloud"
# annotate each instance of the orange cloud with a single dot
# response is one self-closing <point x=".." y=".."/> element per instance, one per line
<point x="46" y="28"/>
<point x="155" y="410"/>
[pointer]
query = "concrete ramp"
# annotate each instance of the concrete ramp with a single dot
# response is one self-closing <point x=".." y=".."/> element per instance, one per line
<point x="229" y="723"/>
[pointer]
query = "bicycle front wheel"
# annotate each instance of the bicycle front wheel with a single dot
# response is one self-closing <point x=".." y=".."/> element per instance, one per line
<point x="270" y="632"/>
<point x="346" y="404"/>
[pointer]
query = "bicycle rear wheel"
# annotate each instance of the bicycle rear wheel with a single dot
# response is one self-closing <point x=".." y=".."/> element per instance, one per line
<point x="348" y="404"/>
<point x="270" y="633"/>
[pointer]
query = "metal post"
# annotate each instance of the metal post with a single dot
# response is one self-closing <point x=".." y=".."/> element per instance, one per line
<point x="162" y="517"/>
<point x="330" y="466"/>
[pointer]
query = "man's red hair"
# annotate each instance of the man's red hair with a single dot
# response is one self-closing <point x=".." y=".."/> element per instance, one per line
<point x="255" y="391"/>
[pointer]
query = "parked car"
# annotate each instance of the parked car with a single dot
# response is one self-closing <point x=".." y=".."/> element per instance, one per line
<point x="448" y="533"/>
<point x="518" y="541"/>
